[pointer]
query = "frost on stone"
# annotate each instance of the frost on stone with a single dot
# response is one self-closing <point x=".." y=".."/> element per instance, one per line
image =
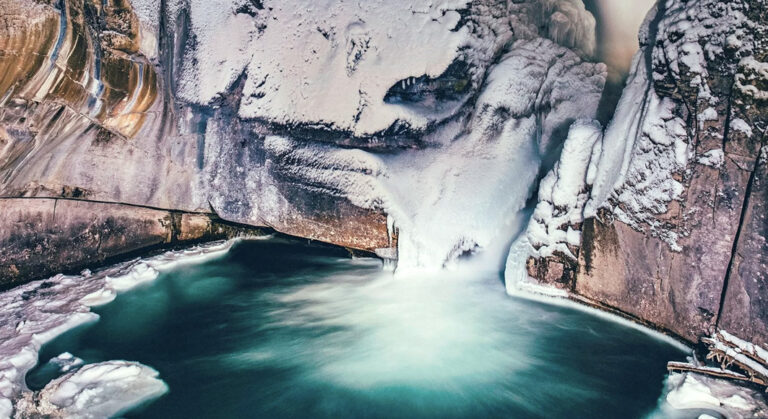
<point x="148" y="14"/>
<point x="567" y="22"/>
<point x="653" y="167"/>
<point x="712" y="158"/>
<point x="358" y="68"/>
<point x="330" y="64"/>
<point x="752" y="79"/>
<point x="741" y="126"/>
<point x="647" y="151"/>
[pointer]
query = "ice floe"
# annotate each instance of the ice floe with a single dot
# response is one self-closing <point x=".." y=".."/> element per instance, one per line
<point x="38" y="312"/>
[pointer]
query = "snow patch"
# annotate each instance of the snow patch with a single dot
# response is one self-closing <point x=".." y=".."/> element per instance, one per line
<point x="713" y="158"/>
<point x="740" y="125"/>
<point x="564" y="192"/>
<point x="751" y="72"/>
<point x="709" y="114"/>
<point x="102" y="390"/>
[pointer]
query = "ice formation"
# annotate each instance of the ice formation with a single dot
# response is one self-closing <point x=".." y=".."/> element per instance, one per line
<point x="564" y="192"/>
<point x="36" y="313"/>
<point x="102" y="390"/>
<point x="326" y="64"/>
<point x="689" y="392"/>
<point x="447" y="119"/>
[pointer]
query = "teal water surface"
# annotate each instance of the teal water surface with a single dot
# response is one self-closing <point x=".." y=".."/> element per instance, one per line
<point x="278" y="328"/>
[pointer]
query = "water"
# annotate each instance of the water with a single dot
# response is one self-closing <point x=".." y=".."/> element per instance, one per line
<point x="283" y="329"/>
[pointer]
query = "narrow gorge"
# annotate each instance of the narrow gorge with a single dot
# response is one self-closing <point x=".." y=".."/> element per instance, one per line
<point x="608" y="153"/>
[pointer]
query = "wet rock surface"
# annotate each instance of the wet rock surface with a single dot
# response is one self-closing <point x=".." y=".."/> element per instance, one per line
<point x="41" y="237"/>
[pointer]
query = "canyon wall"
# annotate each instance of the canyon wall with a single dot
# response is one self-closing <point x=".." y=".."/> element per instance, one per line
<point x="675" y="232"/>
<point x="120" y="119"/>
<point x="90" y="111"/>
<point x="301" y="122"/>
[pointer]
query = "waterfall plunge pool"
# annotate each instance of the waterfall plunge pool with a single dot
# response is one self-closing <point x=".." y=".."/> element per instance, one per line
<point x="278" y="328"/>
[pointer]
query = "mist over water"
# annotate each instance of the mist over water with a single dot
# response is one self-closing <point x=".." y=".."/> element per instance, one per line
<point x="284" y="329"/>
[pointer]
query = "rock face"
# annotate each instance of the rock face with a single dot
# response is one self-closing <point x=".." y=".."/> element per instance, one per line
<point x="43" y="236"/>
<point x="680" y="235"/>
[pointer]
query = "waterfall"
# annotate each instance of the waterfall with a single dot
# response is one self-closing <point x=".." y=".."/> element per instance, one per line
<point x="471" y="195"/>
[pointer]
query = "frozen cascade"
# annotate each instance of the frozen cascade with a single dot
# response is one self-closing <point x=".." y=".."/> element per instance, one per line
<point x="498" y="162"/>
<point x="471" y="195"/>
<point x="517" y="76"/>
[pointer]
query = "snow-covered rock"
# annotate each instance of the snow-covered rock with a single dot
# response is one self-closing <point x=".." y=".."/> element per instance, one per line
<point x="674" y="219"/>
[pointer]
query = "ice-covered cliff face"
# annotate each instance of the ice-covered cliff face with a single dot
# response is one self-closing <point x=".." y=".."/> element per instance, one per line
<point x="673" y="198"/>
<point x="344" y="122"/>
<point x="422" y="130"/>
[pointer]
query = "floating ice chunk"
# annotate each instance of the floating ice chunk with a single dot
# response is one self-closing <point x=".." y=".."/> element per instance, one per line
<point x="723" y="398"/>
<point x="691" y="393"/>
<point x="66" y="362"/>
<point x="101" y="390"/>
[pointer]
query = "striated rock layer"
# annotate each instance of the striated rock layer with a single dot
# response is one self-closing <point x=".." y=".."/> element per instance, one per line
<point x="44" y="236"/>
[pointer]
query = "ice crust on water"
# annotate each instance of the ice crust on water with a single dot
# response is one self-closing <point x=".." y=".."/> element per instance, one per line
<point x="38" y="312"/>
